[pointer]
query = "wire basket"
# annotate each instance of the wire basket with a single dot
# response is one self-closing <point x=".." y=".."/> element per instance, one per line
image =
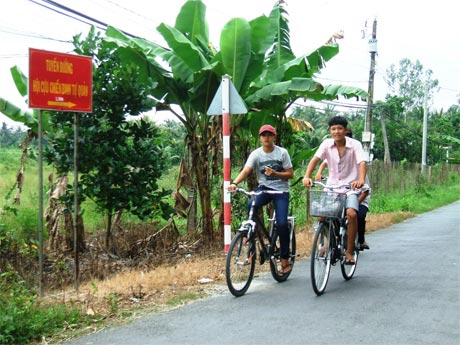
<point x="326" y="203"/>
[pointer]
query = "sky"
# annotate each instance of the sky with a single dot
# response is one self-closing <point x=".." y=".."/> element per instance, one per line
<point x="417" y="30"/>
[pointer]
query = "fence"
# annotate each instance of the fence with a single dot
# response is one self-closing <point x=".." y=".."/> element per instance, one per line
<point x="401" y="176"/>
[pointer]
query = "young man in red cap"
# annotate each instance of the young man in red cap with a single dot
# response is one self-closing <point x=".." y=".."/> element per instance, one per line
<point x="274" y="168"/>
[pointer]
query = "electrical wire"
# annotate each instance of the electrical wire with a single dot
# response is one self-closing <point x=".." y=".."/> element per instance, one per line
<point x="76" y="15"/>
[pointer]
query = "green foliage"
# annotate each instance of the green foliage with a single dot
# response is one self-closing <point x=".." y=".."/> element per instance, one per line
<point x="23" y="319"/>
<point x="9" y="137"/>
<point x="119" y="160"/>
<point x="411" y="82"/>
<point x="419" y="196"/>
<point x="114" y="303"/>
<point x="173" y="137"/>
<point x="257" y="56"/>
<point x="415" y="202"/>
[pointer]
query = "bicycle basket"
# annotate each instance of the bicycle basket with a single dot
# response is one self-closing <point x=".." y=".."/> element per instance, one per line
<point x="326" y="203"/>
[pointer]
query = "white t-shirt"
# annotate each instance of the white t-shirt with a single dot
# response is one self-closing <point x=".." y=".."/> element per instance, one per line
<point x="278" y="160"/>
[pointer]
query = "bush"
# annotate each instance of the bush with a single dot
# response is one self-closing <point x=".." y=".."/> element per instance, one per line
<point x="23" y="319"/>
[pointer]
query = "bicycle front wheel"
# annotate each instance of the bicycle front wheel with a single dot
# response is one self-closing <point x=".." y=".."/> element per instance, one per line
<point x="349" y="270"/>
<point x="320" y="262"/>
<point x="240" y="264"/>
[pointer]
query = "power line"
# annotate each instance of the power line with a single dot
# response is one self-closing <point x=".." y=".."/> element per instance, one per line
<point x="63" y="13"/>
<point x="331" y="103"/>
<point x="31" y="34"/>
<point x="76" y="15"/>
<point x="130" y="11"/>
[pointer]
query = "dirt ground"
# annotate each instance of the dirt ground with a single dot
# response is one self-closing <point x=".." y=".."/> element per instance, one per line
<point x="135" y="292"/>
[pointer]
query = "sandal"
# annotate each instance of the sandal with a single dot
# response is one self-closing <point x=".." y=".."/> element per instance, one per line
<point x="350" y="261"/>
<point x="285" y="268"/>
<point x="363" y="246"/>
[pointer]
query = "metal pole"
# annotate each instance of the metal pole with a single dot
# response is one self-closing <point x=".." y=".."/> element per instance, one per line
<point x="367" y="137"/>
<point x="425" y="133"/>
<point x="75" y="203"/>
<point x="40" y="202"/>
<point x="226" y="159"/>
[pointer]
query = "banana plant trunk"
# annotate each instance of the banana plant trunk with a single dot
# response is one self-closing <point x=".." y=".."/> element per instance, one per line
<point x="201" y="172"/>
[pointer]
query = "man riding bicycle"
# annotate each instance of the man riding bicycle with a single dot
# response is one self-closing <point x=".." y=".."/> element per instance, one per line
<point x="346" y="164"/>
<point x="274" y="168"/>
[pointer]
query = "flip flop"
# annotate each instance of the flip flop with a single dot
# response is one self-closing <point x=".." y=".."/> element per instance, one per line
<point x="282" y="272"/>
<point x="350" y="262"/>
<point x="363" y="246"/>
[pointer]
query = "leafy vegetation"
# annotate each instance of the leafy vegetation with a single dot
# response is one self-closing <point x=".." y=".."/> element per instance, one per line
<point x="422" y="198"/>
<point x="23" y="319"/>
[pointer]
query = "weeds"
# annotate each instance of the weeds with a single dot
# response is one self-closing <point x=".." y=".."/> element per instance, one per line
<point x="23" y="318"/>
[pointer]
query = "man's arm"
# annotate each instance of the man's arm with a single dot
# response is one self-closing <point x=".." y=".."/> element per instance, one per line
<point x="362" y="176"/>
<point x="363" y="196"/>
<point x="240" y="178"/>
<point x="307" y="182"/>
<point x="321" y="168"/>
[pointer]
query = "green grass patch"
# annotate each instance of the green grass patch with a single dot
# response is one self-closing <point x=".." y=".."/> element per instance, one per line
<point x="183" y="298"/>
<point x="417" y="201"/>
<point x="24" y="319"/>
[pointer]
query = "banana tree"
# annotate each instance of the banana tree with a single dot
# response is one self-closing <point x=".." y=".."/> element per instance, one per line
<point x="258" y="57"/>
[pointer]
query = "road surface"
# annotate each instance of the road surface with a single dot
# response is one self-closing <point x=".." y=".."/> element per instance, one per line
<point x="406" y="290"/>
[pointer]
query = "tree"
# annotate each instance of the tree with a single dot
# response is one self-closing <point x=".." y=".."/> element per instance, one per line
<point x="415" y="87"/>
<point x="119" y="160"/>
<point x="412" y="83"/>
<point x="445" y="136"/>
<point x="258" y="57"/>
<point x="173" y="142"/>
<point x="10" y="137"/>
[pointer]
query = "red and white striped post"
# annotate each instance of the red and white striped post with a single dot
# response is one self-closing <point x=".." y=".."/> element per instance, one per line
<point x="227" y="101"/>
<point x="226" y="159"/>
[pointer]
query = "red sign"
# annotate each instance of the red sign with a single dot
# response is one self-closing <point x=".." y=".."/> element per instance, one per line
<point x="60" y="81"/>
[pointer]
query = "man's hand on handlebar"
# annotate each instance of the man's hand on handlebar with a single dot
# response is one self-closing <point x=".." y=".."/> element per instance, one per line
<point x="307" y="182"/>
<point x="232" y="187"/>
<point x="357" y="184"/>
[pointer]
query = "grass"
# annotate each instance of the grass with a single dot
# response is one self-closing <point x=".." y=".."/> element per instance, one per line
<point x="420" y="201"/>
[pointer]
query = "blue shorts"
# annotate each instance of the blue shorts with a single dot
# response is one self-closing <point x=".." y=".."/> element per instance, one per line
<point x="352" y="201"/>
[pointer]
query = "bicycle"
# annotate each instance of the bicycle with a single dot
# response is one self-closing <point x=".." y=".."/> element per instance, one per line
<point x="330" y="241"/>
<point x="253" y="235"/>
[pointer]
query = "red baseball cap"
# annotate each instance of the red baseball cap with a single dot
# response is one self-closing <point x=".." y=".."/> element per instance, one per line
<point x="267" y="128"/>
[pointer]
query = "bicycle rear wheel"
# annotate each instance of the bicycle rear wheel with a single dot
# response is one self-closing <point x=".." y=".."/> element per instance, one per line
<point x="240" y="264"/>
<point x="275" y="257"/>
<point x="320" y="262"/>
<point x="349" y="270"/>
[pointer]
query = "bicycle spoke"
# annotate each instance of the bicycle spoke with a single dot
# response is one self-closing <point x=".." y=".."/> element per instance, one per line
<point x="320" y="264"/>
<point x="240" y="264"/>
<point x="349" y="270"/>
<point x="275" y="256"/>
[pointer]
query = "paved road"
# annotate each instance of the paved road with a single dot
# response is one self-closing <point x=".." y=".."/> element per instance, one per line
<point x="406" y="290"/>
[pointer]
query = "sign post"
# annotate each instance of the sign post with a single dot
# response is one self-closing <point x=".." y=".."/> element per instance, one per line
<point x="225" y="102"/>
<point x="61" y="82"/>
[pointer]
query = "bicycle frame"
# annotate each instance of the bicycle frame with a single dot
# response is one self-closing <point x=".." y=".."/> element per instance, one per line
<point x="253" y="234"/>
<point x="330" y="241"/>
<point x="256" y="228"/>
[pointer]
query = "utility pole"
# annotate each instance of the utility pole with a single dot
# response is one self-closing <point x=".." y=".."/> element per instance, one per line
<point x="367" y="134"/>
<point x="425" y="129"/>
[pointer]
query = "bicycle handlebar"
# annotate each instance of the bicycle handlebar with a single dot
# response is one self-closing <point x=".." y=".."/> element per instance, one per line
<point x="331" y="187"/>
<point x="254" y="193"/>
